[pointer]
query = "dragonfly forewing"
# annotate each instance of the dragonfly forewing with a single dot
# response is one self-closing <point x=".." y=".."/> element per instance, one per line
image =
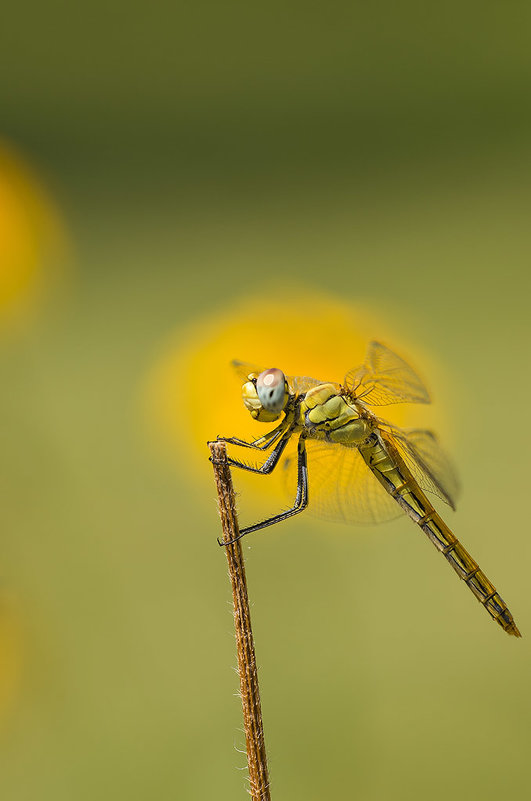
<point x="385" y="378"/>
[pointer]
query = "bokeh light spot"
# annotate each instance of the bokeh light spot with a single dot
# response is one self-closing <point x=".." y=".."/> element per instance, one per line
<point x="32" y="238"/>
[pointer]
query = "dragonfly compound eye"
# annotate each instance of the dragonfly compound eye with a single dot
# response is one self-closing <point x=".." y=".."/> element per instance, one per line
<point x="271" y="389"/>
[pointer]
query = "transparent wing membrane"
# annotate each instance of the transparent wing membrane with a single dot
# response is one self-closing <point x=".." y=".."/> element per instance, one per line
<point x="244" y="369"/>
<point x="302" y="383"/>
<point x="426" y="461"/>
<point x="341" y="486"/>
<point x="385" y="378"/>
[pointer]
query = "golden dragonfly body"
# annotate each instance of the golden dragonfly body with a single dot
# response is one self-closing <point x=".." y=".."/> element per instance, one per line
<point x="361" y="468"/>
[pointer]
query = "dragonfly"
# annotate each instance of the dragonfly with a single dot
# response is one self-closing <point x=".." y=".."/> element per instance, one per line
<point x="362" y="469"/>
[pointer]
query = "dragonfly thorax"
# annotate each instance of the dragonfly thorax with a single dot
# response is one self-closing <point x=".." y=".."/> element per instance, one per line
<point x="329" y="415"/>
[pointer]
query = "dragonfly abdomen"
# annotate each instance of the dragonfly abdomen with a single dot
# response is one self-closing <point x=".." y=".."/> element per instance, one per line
<point x="468" y="570"/>
<point x="394" y="475"/>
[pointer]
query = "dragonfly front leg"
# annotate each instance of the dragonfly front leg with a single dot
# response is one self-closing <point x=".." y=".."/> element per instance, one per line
<point x="271" y="461"/>
<point x="301" y="498"/>
<point x="260" y="444"/>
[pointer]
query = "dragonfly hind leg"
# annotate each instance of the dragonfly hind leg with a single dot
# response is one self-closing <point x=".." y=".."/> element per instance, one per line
<point x="301" y="498"/>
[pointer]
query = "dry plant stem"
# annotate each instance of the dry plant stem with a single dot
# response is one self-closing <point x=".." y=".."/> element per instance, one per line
<point x="250" y="695"/>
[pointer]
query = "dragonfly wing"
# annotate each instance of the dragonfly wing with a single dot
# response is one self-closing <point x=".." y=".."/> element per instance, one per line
<point x="298" y="384"/>
<point x="428" y="463"/>
<point x="302" y="383"/>
<point x="385" y="378"/>
<point x="244" y="369"/>
<point x="341" y="486"/>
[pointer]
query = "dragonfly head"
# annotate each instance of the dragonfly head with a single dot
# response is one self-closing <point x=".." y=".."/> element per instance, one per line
<point x="266" y="395"/>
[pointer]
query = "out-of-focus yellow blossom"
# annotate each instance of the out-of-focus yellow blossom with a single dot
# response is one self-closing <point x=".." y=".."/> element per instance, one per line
<point x="32" y="246"/>
<point x="195" y="394"/>
<point x="31" y="238"/>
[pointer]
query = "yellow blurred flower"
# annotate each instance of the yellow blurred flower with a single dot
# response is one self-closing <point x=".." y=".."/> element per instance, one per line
<point x="31" y="238"/>
<point x="194" y="394"/>
<point x="32" y="244"/>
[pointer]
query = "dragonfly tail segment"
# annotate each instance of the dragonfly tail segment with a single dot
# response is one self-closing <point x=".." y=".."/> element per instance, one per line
<point x="390" y="470"/>
<point x="468" y="570"/>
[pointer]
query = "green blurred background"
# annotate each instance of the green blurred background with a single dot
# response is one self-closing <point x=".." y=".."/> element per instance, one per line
<point x="381" y="154"/>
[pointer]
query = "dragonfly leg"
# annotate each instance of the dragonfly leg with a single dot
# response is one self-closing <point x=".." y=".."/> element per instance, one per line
<point x="301" y="498"/>
<point x="261" y="444"/>
<point x="271" y="461"/>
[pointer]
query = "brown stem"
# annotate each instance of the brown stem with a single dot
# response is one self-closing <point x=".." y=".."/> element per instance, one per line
<point x="250" y="695"/>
